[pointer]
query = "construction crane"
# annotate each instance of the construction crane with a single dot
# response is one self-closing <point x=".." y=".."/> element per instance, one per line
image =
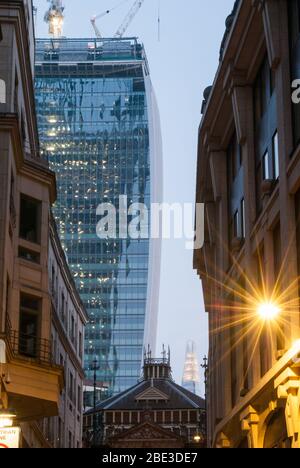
<point x="126" y="23"/>
<point x="55" y="18"/>
<point x="129" y="18"/>
<point x="94" y="19"/>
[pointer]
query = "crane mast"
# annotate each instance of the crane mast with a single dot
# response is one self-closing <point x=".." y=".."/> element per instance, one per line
<point x="55" y="18"/>
<point x="129" y="18"/>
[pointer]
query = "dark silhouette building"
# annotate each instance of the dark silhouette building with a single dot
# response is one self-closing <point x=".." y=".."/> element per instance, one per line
<point x="155" y="413"/>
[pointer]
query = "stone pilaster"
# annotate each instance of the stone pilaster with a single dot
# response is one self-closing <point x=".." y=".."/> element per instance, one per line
<point x="288" y="391"/>
<point x="223" y="441"/>
<point x="272" y="20"/>
<point x="249" y="425"/>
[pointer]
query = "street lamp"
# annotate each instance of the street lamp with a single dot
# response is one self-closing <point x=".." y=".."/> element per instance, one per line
<point x="7" y="418"/>
<point x="95" y="368"/>
<point x="197" y="438"/>
<point x="268" y="311"/>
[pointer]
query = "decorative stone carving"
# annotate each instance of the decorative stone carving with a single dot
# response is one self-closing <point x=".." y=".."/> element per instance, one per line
<point x="223" y="442"/>
<point x="288" y="389"/>
<point x="249" y="424"/>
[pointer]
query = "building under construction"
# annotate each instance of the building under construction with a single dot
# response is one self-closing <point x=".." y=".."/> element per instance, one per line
<point x="99" y="124"/>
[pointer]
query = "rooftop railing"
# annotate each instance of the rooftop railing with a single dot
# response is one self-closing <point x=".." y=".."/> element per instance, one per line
<point x="83" y="50"/>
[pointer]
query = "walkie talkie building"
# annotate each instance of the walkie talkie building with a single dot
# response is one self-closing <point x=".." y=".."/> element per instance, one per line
<point x="99" y="125"/>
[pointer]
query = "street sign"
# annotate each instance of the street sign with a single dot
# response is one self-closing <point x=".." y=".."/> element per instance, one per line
<point x="10" y="437"/>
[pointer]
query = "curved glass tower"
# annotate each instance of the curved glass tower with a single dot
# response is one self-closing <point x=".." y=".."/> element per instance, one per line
<point x="99" y="125"/>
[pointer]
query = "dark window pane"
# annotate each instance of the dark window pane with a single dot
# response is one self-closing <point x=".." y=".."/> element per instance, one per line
<point x="30" y="219"/>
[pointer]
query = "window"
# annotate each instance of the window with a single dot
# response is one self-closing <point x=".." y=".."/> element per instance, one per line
<point x="29" y="326"/>
<point x="80" y="345"/>
<point x="266" y="166"/>
<point x="263" y="90"/>
<point x="12" y="209"/>
<point x="265" y="117"/>
<point x="30" y="219"/>
<point x="236" y="225"/>
<point x="236" y="186"/>
<point x="276" y="168"/>
<point x="23" y="127"/>
<point x="72" y="388"/>
<point x="2" y="92"/>
<point x="29" y="255"/>
<point x="79" y="399"/>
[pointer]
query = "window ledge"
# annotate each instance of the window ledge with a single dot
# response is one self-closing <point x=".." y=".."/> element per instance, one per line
<point x="30" y="264"/>
<point x="237" y="244"/>
<point x="30" y="245"/>
<point x="266" y="209"/>
<point x="267" y="186"/>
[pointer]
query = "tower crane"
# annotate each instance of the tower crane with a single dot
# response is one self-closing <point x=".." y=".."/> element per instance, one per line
<point x="94" y="24"/>
<point x="127" y="20"/>
<point x="55" y="18"/>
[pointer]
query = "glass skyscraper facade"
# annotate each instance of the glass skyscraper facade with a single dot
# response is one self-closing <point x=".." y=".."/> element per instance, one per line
<point x="99" y="125"/>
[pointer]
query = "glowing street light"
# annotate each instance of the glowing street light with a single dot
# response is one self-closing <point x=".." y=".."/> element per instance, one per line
<point x="268" y="311"/>
<point x="6" y="418"/>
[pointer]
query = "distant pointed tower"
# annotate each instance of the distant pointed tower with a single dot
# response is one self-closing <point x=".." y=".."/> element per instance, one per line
<point x="191" y="377"/>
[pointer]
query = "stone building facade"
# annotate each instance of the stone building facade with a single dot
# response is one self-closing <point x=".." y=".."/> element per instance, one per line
<point x="30" y="383"/>
<point x="69" y="319"/>
<point x="32" y="380"/>
<point x="249" y="179"/>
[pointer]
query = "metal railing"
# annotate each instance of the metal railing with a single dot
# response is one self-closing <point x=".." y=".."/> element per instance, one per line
<point x="28" y="346"/>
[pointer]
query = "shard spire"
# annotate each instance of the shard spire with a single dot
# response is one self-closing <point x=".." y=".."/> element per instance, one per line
<point x="191" y="376"/>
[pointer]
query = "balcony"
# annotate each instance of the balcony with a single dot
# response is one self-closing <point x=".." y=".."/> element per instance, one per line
<point x="35" y="382"/>
<point x="30" y="347"/>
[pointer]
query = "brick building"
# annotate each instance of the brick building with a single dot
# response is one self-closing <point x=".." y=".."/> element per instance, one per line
<point x="155" y="413"/>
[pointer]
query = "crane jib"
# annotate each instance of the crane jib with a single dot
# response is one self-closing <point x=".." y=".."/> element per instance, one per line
<point x="126" y="22"/>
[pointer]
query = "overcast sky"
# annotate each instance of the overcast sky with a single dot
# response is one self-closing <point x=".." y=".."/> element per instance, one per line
<point x="182" y="63"/>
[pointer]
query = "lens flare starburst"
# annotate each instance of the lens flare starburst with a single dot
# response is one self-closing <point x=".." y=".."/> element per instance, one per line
<point x="268" y="311"/>
<point x="253" y="312"/>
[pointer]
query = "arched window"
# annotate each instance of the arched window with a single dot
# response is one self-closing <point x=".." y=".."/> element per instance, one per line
<point x="276" y="434"/>
<point x="2" y="92"/>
